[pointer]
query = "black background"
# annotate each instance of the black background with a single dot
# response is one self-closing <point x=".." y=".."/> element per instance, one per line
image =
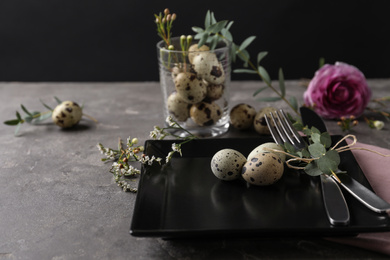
<point x="114" y="40"/>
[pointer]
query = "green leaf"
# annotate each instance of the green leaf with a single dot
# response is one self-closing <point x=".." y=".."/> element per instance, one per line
<point x="312" y="169"/>
<point x="245" y="71"/>
<point x="217" y="27"/>
<point x="307" y="131"/>
<point x="12" y="122"/>
<point x="305" y="153"/>
<point x="282" y="87"/>
<point x="25" y="110"/>
<point x="42" y="117"/>
<point x="229" y="25"/>
<point x="213" y="41"/>
<point x="197" y="29"/>
<point x="315" y="130"/>
<point x="244" y="56"/>
<point x="260" y="56"/>
<point x="264" y="75"/>
<point x="289" y="147"/>
<point x="326" y="140"/>
<point x="207" y="21"/>
<point x="18" y="116"/>
<point x="17" y="129"/>
<point x="225" y="33"/>
<point x="58" y="100"/>
<point x="269" y="99"/>
<point x="259" y="90"/>
<point x="203" y="39"/>
<point x="46" y="106"/>
<point x="294" y="103"/>
<point x="317" y="150"/>
<point x="316" y="138"/>
<point x="329" y="162"/>
<point x="246" y="42"/>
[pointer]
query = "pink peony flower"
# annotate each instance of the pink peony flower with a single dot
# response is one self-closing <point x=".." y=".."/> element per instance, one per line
<point x="338" y="90"/>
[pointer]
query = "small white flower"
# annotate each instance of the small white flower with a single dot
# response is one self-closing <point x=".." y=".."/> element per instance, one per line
<point x="379" y="124"/>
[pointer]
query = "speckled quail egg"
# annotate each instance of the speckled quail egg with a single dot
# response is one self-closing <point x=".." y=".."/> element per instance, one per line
<point x="178" y="108"/>
<point x="215" y="92"/>
<point x="190" y="88"/>
<point x="263" y="149"/>
<point x="242" y="115"/>
<point x="67" y="114"/>
<point x="208" y="67"/>
<point x="259" y="122"/>
<point x="227" y="164"/>
<point x="205" y="113"/>
<point x="263" y="169"/>
<point x="194" y="50"/>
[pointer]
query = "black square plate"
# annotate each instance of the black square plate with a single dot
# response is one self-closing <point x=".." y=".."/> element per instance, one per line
<point x="185" y="199"/>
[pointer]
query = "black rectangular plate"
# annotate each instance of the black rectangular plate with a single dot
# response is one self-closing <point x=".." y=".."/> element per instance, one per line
<point x="185" y="199"/>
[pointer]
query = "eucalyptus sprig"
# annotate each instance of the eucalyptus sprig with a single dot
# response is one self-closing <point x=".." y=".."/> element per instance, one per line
<point x="215" y="31"/>
<point x="34" y="117"/>
<point x="123" y="157"/>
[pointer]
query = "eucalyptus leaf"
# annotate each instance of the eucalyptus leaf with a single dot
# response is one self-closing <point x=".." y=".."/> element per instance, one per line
<point x="282" y="87"/>
<point x="315" y="130"/>
<point x="25" y="110"/>
<point x="244" y="56"/>
<point x="289" y="147"/>
<point x="225" y="33"/>
<point x="245" y="71"/>
<point x="216" y="27"/>
<point x="207" y="21"/>
<point x="247" y="42"/>
<point x="317" y="150"/>
<point x="46" y="105"/>
<point x="58" y="100"/>
<point x="213" y="42"/>
<point x="197" y="29"/>
<point x="264" y="75"/>
<point x="17" y="129"/>
<point x="329" y="162"/>
<point x="293" y="101"/>
<point x="312" y="169"/>
<point x="203" y="39"/>
<point x="316" y="138"/>
<point x="229" y="25"/>
<point x="326" y="139"/>
<point x="260" y="56"/>
<point x="305" y="153"/>
<point x="12" y="122"/>
<point x="18" y="116"/>
<point x="269" y="99"/>
<point x="259" y="90"/>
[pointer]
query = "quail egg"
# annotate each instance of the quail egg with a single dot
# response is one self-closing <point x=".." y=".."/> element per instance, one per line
<point x="263" y="169"/>
<point x="263" y="149"/>
<point x="194" y="50"/>
<point x="67" y="114"/>
<point x="241" y="116"/>
<point x="209" y="68"/>
<point x="215" y="92"/>
<point x="227" y="164"/>
<point x="190" y="89"/>
<point x="178" y="108"/>
<point x="205" y="113"/>
<point x="259" y="122"/>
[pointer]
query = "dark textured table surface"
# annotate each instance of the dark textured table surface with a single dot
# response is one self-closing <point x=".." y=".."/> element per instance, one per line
<point x="58" y="200"/>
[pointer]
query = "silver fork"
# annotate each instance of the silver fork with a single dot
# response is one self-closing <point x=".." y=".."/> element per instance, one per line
<point x="283" y="132"/>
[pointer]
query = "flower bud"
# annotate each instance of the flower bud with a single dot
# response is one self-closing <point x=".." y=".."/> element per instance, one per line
<point x="134" y="141"/>
<point x="166" y="11"/>
<point x="173" y="17"/>
<point x="379" y="124"/>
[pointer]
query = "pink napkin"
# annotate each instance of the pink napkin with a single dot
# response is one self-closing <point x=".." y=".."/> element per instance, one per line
<point x="376" y="170"/>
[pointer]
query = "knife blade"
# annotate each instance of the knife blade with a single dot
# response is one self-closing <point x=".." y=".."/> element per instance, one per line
<point x="355" y="188"/>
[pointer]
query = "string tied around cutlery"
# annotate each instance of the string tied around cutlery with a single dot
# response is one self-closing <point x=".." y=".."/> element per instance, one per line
<point x="294" y="158"/>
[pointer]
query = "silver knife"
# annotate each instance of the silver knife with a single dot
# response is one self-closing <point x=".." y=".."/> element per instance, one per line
<point x="356" y="189"/>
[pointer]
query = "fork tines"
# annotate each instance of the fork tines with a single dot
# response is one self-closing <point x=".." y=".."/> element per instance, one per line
<point x="282" y="130"/>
